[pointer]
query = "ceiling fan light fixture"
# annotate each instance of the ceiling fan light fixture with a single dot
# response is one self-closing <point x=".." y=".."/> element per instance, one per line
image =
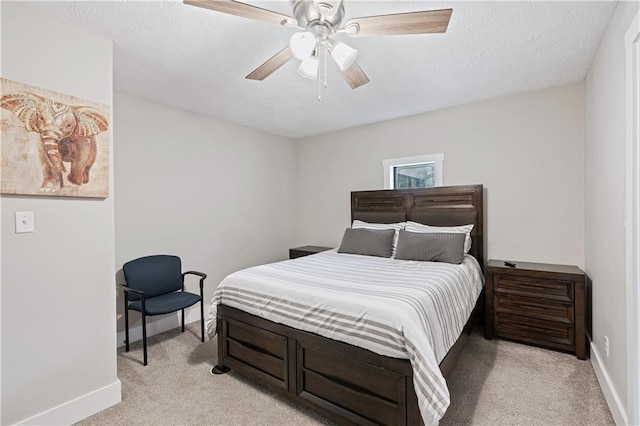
<point x="343" y="54"/>
<point x="309" y="68"/>
<point x="318" y="20"/>
<point x="302" y="45"/>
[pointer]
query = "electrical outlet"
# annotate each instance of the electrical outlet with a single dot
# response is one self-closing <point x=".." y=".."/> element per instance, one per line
<point x="606" y="346"/>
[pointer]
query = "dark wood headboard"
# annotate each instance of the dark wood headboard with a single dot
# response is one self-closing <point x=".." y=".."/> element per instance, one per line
<point x="441" y="206"/>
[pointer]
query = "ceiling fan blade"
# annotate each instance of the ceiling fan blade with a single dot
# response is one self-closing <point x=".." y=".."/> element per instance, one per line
<point x="428" y="21"/>
<point x="244" y="10"/>
<point x="355" y="76"/>
<point x="271" y="65"/>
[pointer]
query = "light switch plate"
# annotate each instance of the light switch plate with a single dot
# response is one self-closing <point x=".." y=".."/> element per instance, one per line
<point x="24" y="222"/>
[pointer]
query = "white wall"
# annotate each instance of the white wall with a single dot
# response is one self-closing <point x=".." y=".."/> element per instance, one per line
<point x="58" y="296"/>
<point x="527" y="150"/>
<point x="605" y="186"/>
<point x="219" y="195"/>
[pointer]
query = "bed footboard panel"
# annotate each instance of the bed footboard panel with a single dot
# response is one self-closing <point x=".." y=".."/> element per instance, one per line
<point x="349" y="384"/>
<point x="256" y="352"/>
<point x="361" y="392"/>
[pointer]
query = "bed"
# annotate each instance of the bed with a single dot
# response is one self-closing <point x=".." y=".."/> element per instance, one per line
<point x="326" y="366"/>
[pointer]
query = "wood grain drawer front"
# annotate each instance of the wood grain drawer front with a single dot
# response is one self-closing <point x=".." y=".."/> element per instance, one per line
<point x="535" y="331"/>
<point x="344" y="397"/>
<point x="534" y="308"/>
<point x="534" y="287"/>
<point x="370" y="391"/>
<point x="261" y="349"/>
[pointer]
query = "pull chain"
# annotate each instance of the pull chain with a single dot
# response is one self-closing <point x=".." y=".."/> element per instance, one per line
<point x="323" y="58"/>
<point x="319" y="77"/>
<point x="322" y="68"/>
<point x="326" y="52"/>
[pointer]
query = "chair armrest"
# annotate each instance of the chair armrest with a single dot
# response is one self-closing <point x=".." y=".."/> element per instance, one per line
<point x="202" y="276"/>
<point x="132" y="290"/>
<point x="127" y="290"/>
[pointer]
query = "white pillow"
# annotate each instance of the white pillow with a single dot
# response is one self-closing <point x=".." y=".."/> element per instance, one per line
<point x="397" y="226"/>
<point x="466" y="229"/>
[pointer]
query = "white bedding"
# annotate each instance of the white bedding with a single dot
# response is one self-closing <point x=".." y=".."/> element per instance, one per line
<point x="396" y="308"/>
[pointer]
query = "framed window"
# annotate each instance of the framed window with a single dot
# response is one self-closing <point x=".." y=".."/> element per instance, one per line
<point x="423" y="171"/>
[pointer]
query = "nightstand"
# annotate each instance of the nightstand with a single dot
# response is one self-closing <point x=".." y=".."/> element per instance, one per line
<point x="537" y="303"/>
<point x="306" y="251"/>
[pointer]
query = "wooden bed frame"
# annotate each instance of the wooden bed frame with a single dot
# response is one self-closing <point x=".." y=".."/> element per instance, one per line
<point x="346" y="383"/>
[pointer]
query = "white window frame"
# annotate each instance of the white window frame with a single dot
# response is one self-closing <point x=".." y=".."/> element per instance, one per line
<point x="388" y="165"/>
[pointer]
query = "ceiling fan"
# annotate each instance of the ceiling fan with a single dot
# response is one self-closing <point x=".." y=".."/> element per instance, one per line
<point x="319" y="20"/>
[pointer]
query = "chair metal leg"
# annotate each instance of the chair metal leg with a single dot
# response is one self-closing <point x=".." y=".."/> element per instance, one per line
<point x="126" y="326"/>
<point x="144" y="337"/>
<point x="202" y="319"/>
<point x="183" y="320"/>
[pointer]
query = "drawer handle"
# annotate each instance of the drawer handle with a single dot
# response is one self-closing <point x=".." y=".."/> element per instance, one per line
<point x="533" y="308"/>
<point x="539" y="291"/>
<point x="534" y="287"/>
<point x="552" y="310"/>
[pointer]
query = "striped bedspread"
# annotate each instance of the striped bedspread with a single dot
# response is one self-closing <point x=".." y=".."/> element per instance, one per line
<point x="396" y="308"/>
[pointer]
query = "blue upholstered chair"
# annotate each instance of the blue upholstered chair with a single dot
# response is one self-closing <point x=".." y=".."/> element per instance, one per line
<point x="155" y="286"/>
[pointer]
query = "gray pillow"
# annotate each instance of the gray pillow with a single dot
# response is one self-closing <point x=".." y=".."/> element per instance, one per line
<point x="436" y="247"/>
<point x="370" y="242"/>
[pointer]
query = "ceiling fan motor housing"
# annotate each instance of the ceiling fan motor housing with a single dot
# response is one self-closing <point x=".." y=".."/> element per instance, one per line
<point x="320" y="17"/>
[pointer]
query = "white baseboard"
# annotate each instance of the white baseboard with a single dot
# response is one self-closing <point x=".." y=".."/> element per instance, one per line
<point x="610" y="395"/>
<point x="80" y="408"/>
<point x="158" y="325"/>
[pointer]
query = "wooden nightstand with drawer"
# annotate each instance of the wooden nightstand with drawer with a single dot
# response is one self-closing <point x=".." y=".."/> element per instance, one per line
<point x="536" y="303"/>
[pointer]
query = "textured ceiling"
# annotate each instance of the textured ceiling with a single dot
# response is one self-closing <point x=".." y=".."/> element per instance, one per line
<point x="197" y="59"/>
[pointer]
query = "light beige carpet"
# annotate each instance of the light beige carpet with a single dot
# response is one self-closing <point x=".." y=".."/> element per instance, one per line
<point x="495" y="383"/>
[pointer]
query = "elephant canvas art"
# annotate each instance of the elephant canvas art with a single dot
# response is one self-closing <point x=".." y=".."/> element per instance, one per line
<point x="52" y="144"/>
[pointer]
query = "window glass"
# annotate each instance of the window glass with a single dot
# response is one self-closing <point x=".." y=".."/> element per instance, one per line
<point x="414" y="176"/>
<point x="423" y="171"/>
